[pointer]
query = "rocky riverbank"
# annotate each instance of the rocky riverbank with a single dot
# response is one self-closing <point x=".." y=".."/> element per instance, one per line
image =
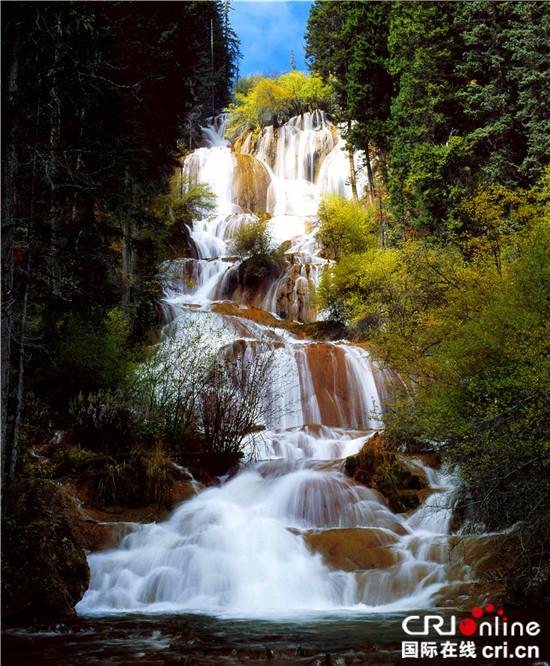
<point x="49" y="526"/>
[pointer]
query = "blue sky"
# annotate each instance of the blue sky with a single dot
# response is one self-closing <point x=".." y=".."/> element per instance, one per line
<point x="268" y="31"/>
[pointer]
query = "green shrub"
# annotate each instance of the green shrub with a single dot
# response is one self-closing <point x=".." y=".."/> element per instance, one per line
<point x="346" y="227"/>
<point x="252" y="240"/>
<point x="93" y="357"/>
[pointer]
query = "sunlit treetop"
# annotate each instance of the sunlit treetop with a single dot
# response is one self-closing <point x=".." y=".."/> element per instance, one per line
<point x="261" y="101"/>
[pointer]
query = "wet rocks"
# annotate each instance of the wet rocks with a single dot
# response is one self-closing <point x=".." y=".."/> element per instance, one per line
<point x="479" y="565"/>
<point x="294" y="294"/>
<point x="44" y="569"/>
<point x="251" y="184"/>
<point x="356" y="548"/>
<point x="379" y="467"/>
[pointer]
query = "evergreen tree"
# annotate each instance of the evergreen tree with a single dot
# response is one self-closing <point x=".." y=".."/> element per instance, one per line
<point x="353" y="60"/>
<point x="97" y="96"/>
<point x="488" y="101"/>
<point x="528" y="39"/>
<point x="428" y="159"/>
<point x="506" y="70"/>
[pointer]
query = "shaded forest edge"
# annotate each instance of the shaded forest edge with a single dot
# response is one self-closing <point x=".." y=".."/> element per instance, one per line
<point x="100" y="102"/>
<point x="442" y="271"/>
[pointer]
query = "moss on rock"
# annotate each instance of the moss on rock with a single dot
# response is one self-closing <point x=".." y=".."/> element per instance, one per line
<point x="44" y="569"/>
<point x="380" y="467"/>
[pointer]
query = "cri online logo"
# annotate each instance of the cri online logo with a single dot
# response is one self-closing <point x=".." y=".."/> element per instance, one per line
<point x="468" y="627"/>
<point x="485" y="621"/>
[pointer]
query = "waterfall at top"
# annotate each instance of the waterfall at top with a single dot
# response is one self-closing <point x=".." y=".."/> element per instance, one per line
<point x="290" y="532"/>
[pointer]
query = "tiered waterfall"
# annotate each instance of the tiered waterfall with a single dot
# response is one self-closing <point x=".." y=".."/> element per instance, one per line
<point x="266" y="541"/>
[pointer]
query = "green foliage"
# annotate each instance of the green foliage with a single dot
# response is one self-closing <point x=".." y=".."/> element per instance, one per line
<point x="378" y="466"/>
<point x="490" y="399"/>
<point x="353" y="59"/>
<point x="505" y="74"/>
<point x="346" y="227"/>
<point x="446" y="95"/>
<point x="272" y="101"/>
<point x="253" y="243"/>
<point x="428" y="164"/>
<point x="466" y="327"/>
<point x="93" y="357"/>
<point x="252" y="240"/>
<point x="466" y="110"/>
<point x="246" y="83"/>
<point x="173" y="215"/>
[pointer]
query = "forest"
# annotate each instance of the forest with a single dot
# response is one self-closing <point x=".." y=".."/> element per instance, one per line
<point x="439" y="268"/>
<point x="446" y="272"/>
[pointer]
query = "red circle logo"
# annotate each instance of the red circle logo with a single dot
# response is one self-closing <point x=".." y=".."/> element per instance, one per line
<point x="467" y="627"/>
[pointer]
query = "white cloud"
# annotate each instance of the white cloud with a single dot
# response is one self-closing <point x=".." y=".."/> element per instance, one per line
<point x="268" y="32"/>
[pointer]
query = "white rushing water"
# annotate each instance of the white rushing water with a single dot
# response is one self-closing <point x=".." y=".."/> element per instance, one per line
<point x="267" y="540"/>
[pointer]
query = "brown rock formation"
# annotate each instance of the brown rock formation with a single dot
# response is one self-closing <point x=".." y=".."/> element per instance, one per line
<point x="330" y="383"/>
<point x="44" y="569"/>
<point x="480" y="565"/>
<point x="250" y="184"/>
<point x="378" y="466"/>
<point x="356" y="548"/>
<point x="294" y="294"/>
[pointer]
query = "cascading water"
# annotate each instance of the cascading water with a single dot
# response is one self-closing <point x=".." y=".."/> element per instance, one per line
<point x="276" y="537"/>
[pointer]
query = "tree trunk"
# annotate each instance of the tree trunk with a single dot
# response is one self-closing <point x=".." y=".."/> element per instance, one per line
<point x="128" y="259"/>
<point x="375" y="193"/>
<point x="352" y="177"/>
<point x="19" y="398"/>
<point x="9" y="221"/>
<point x="128" y="263"/>
<point x="370" y="175"/>
<point x="56" y="240"/>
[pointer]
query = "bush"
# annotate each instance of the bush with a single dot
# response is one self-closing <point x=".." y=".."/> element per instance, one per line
<point x="118" y="485"/>
<point x="93" y="357"/>
<point x="346" y="227"/>
<point x="232" y="397"/>
<point x="104" y="421"/>
<point x="144" y="478"/>
<point x="159" y="477"/>
<point x="192" y="388"/>
<point x="378" y="466"/>
<point x="252" y="240"/>
<point x="167" y="385"/>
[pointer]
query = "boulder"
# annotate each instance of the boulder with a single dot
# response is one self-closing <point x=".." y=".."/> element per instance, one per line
<point x="44" y="569"/>
<point x="250" y="184"/>
<point x="380" y="467"/>
<point x="350" y="549"/>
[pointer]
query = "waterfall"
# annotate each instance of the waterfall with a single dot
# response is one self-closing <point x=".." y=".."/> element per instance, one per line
<point x="273" y="539"/>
